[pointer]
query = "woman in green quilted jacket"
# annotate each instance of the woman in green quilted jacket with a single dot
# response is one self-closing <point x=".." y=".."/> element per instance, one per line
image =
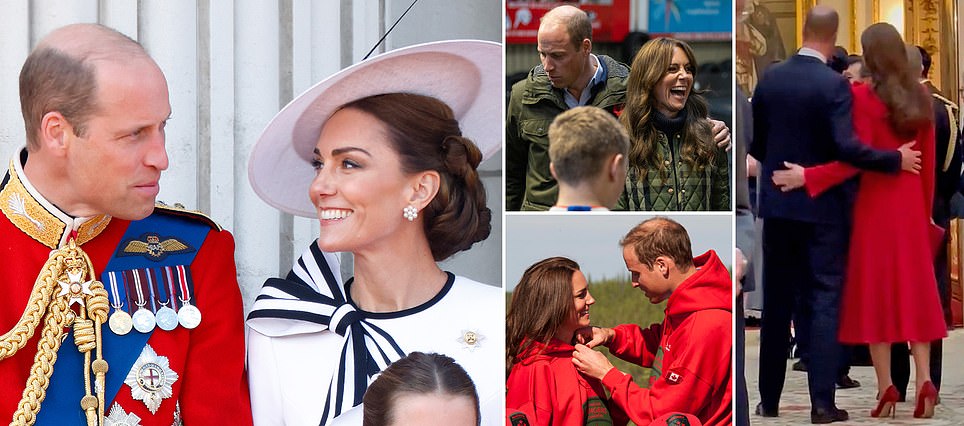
<point x="674" y="164"/>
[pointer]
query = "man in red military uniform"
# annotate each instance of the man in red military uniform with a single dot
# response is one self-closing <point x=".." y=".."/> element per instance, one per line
<point x="114" y="311"/>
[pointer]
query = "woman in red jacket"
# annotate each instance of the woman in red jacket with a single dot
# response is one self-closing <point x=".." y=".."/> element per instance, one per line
<point x="549" y="304"/>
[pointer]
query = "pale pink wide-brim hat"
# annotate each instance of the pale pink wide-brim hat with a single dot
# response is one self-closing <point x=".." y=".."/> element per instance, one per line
<point x="465" y="74"/>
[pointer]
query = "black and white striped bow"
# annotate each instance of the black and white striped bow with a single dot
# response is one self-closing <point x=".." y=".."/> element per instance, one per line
<point x="367" y="348"/>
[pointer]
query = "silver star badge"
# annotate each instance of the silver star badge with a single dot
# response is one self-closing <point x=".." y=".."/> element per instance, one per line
<point x="151" y="379"/>
<point x="471" y="339"/>
<point x="119" y="417"/>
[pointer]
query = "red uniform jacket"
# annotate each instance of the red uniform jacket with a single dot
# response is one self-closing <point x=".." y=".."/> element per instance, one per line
<point x="545" y="386"/>
<point x="208" y="360"/>
<point x="689" y="352"/>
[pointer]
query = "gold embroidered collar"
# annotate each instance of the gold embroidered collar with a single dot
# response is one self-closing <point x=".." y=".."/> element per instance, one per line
<point x="35" y="216"/>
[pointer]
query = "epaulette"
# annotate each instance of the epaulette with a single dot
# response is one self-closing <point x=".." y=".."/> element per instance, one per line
<point x="946" y="101"/>
<point x="178" y="209"/>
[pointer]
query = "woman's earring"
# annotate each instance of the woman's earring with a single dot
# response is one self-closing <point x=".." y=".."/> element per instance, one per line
<point x="410" y="212"/>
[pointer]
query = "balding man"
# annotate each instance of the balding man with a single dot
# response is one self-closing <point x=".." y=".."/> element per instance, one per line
<point x="569" y="75"/>
<point x="103" y="291"/>
<point x="801" y="114"/>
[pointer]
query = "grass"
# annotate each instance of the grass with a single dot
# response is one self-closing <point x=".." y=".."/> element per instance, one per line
<point x="617" y="302"/>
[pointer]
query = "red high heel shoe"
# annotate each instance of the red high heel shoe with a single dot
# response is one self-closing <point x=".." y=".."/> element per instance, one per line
<point x="887" y="405"/>
<point x="926" y="398"/>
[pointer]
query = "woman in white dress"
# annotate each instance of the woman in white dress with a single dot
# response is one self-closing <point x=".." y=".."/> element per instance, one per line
<point x="394" y="182"/>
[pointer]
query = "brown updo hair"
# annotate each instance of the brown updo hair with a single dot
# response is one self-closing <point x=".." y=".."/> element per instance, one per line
<point x="416" y="374"/>
<point x="426" y="135"/>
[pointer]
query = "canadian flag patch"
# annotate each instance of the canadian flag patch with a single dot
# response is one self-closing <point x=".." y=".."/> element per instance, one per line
<point x="674" y="379"/>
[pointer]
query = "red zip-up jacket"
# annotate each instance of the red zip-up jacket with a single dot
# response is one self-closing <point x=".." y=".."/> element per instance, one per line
<point x="545" y="386"/>
<point x="689" y="352"/>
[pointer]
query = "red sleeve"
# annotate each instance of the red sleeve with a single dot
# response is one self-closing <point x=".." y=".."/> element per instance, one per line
<point x="530" y="390"/>
<point x="825" y="176"/>
<point x="215" y="388"/>
<point x="633" y="344"/>
<point x="699" y="370"/>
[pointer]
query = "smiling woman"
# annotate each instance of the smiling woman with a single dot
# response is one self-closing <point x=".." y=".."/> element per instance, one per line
<point x="673" y="162"/>
<point x="542" y="383"/>
<point x="377" y="153"/>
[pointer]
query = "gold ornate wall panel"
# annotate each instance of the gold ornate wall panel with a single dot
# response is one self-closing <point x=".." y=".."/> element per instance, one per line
<point x="922" y="26"/>
<point x="928" y="23"/>
<point x="802" y="7"/>
<point x="950" y="84"/>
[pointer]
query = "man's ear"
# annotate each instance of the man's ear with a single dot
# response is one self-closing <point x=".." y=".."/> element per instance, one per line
<point x="586" y="45"/>
<point x="663" y="264"/>
<point x="425" y="186"/>
<point x="552" y="171"/>
<point x="55" y="132"/>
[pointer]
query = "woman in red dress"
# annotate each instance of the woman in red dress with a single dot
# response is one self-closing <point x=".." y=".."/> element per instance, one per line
<point x="889" y="292"/>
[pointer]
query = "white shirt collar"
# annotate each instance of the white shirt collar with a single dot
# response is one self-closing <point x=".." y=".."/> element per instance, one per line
<point x="806" y="51"/>
<point x="597" y="76"/>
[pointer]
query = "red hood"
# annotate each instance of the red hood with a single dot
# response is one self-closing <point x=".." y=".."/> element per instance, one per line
<point x="554" y="349"/>
<point x="711" y="287"/>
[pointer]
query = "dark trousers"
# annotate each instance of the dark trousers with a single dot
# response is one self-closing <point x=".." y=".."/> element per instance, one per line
<point x="809" y="257"/>
<point x="742" y="399"/>
<point x="801" y="327"/>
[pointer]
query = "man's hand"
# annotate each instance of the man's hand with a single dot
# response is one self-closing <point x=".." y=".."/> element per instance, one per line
<point x="721" y="134"/>
<point x="594" y="336"/>
<point x="590" y="362"/>
<point x="789" y="179"/>
<point x="909" y="159"/>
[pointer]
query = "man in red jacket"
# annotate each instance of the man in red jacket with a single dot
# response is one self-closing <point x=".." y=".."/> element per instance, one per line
<point x="690" y="351"/>
<point x="103" y="291"/>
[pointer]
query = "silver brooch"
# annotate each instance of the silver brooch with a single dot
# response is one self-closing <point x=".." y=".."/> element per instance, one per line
<point x="151" y="379"/>
<point x="119" y="417"/>
<point x="471" y="339"/>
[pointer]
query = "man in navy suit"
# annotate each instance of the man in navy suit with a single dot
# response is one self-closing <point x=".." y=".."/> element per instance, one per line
<point x="801" y="114"/>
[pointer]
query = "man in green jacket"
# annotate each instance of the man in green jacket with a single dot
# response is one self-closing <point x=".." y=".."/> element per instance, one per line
<point x="569" y="76"/>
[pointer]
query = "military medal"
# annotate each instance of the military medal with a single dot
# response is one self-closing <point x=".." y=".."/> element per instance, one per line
<point x="143" y="319"/>
<point x="120" y="321"/>
<point x="189" y="316"/>
<point x="151" y="379"/>
<point x="166" y="317"/>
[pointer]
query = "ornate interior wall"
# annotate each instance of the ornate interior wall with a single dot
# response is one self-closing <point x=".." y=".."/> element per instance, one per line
<point x="772" y="30"/>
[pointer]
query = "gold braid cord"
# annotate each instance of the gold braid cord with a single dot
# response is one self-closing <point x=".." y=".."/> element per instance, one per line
<point x="69" y="267"/>
<point x="15" y="339"/>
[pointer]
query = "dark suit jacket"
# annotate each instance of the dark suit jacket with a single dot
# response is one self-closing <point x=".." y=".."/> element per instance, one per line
<point x="947" y="140"/>
<point x="802" y="114"/>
